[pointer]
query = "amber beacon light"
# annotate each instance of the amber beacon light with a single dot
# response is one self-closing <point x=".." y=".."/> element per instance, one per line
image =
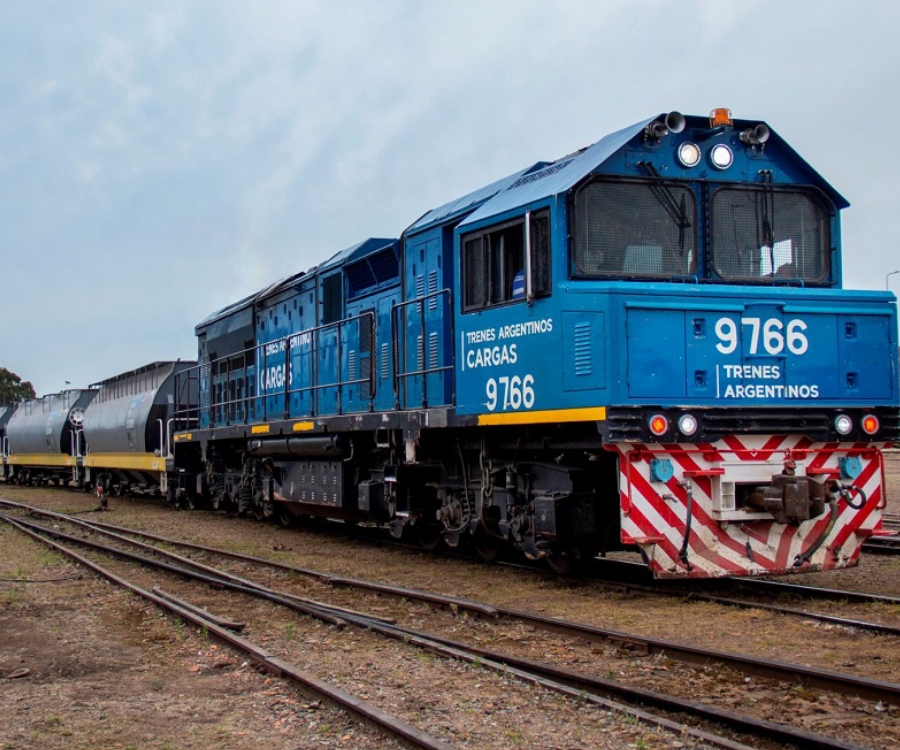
<point x="720" y="118"/>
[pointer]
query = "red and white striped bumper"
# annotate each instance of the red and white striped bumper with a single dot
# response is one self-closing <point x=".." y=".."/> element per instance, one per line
<point x="726" y="539"/>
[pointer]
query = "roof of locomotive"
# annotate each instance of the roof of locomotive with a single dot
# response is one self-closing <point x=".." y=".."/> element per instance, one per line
<point x="542" y="180"/>
<point x="547" y="179"/>
<point x="468" y="202"/>
<point x="353" y="253"/>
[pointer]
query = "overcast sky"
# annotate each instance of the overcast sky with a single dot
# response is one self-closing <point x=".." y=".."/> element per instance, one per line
<point x="160" y="160"/>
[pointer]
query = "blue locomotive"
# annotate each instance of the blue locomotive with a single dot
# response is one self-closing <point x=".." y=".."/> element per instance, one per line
<point x="642" y="343"/>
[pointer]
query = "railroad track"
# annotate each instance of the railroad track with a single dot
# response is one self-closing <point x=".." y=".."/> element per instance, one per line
<point x="224" y="630"/>
<point x="554" y="678"/>
<point x="633" y="577"/>
<point x="883" y="545"/>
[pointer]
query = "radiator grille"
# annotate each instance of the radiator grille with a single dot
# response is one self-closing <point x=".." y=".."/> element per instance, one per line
<point x="583" y="349"/>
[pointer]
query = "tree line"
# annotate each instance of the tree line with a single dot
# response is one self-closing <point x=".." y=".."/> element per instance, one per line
<point x="13" y="389"/>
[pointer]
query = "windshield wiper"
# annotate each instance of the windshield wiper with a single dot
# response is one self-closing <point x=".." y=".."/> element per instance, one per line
<point x="663" y="194"/>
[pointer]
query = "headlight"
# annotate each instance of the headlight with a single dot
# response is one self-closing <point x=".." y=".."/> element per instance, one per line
<point x="720" y="156"/>
<point x="689" y="154"/>
<point x="843" y="424"/>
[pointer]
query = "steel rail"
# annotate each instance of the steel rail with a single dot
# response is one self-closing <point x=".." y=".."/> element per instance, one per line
<point x="594" y="686"/>
<point x="633" y="570"/>
<point x="327" y="612"/>
<point x="843" y="683"/>
<point x="767" y="587"/>
<point x="442" y="600"/>
<point x="812" y="592"/>
<point x="488" y="610"/>
<point x="844" y="622"/>
<point x="207" y="575"/>
<point x="822" y="679"/>
<point x="882" y="545"/>
<point x="259" y="655"/>
<point x="216" y="572"/>
<point x="563" y="681"/>
<point x="221" y="621"/>
<point x="838" y="682"/>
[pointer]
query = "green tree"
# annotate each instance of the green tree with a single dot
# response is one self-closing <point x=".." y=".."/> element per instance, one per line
<point x="12" y="389"/>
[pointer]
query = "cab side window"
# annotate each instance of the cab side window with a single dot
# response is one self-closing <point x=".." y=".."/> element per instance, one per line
<point x="494" y="263"/>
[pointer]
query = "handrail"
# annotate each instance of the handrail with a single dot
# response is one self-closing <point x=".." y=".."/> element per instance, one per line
<point x="230" y="408"/>
<point x="400" y="377"/>
<point x="241" y="397"/>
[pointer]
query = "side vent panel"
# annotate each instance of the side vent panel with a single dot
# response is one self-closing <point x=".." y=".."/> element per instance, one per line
<point x="584" y="349"/>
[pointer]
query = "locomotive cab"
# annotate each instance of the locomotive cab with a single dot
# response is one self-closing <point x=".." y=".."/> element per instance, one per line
<point x="696" y="316"/>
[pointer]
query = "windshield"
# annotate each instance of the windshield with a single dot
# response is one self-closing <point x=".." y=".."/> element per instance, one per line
<point x="769" y="234"/>
<point x="635" y="229"/>
<point x="649" y="229"/>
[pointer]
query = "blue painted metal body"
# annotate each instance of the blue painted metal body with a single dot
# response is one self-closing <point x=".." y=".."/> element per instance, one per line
<point x="316" y="343"/>
<point x="622" y="343"/>
<point x="383" y="325"/>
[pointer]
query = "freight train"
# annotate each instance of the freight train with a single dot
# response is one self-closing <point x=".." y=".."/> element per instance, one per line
<point x="115" y="433"/>
<point x="644" y="344"/>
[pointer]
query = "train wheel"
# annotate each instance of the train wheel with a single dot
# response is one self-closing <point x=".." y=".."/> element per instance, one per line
<point x="566" y="562"/>
<point x="428" y="536"/>
<point x="487" y="546"/>
<point x="561" y="563"/>
<point x="285" y="517"/>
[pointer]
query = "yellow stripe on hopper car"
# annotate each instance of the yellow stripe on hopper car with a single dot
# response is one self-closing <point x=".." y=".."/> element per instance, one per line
<point x="259" y="429"/>
<point x="40" y="459"/>
<point x="592" y="414"/>
<point x="134" y="461"/>
<point x="304" y="426"/>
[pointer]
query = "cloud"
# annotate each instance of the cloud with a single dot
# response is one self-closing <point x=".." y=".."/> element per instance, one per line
<point x="159" y="161"/>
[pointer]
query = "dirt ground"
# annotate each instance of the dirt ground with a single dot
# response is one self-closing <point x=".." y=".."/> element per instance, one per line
<point x="87" y="665"/>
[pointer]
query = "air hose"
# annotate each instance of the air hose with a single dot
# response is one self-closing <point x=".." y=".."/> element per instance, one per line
<point x="689" y="513"/>
<point x="845" y="492"/>
<point x="804" y="557"/>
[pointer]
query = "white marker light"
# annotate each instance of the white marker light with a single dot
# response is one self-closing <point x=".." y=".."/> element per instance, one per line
<point x="687" y="423"/>
<point x="843" y="424"/>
